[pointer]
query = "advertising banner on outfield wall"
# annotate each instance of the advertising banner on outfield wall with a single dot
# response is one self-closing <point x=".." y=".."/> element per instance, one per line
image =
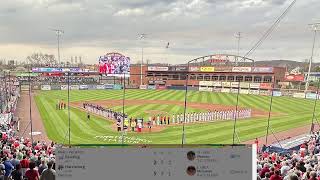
<point x="209" y="89"/>
<point x="143" y="87"/>
<point x="92" y="86"/>
<point x="225" y="90"/>
<point x="151" y="87"/>
<point x="216" y="89"/>
<point x="262" y="69"/>
<point x="45" y="87"/>
<point x="277" y="93"/>
<point x="194" y="69"/>
<point x="205" y="83"/>
<point x="217" y="83"/>
<point x="100" y="86"/>
<point x="36" y="87"/>
<point x="235" y="84"/>
<point x="255" y="92"/>
<point x="83" y="87"/>
<point x="55" y="87"/>
<point x="265" y="92"/>
<point x="311" y="96"/>
<point x="161" y="87"/>
<point x="24" y="87"/>
<point x="244" y="91"/>
<point x="158" y="68"/>
<point x="74" y="87"/>
<point x="233" y="90"/>
<point x="244" y="85"/>
<point x="254" y="85"/>
<point x="64" y="87"/>
<point x="207" y="69"/>
<point x="299" y="95"/>
<point x="117" y="86"/>
<point x="108" y="86"/>
<point x="287" y="93"/>
<point x="294" y="78"/>
<point x="265" y="85"/>
<point x="171" y="68"/>
<point x="226" y="84"/>
<point x="241" y="69"/>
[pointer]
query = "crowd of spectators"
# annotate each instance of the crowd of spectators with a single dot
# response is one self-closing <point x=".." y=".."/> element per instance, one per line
<point x="19" y="157"/>
<point x="302" y="164"/>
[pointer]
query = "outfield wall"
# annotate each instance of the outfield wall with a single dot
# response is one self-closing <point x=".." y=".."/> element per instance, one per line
<point x="263" y="89"/>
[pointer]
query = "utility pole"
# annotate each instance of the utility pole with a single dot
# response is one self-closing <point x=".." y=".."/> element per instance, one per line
<point x="141" y="37"/>
<point x="59" y="32"/>
<point x="315" y="27"/>
<point x="238" y="36"/>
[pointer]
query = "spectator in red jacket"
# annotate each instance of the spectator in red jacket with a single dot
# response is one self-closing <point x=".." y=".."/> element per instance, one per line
<point x="276" y="176"/>
<point x="264" y="170"/>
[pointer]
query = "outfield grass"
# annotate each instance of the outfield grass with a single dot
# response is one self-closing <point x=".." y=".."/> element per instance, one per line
<point x="290" y="113"/>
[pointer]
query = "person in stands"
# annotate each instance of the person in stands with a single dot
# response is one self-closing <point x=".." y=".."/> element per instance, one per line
<point x="49" y="173"/>
<point x="31" y="173"/>
<point x="17" y="173"/>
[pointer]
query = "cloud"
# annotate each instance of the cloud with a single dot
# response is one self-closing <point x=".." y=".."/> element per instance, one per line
<point x="193" y="27"/>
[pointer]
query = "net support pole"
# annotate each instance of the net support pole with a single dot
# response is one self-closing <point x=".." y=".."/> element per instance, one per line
<point x="183" y="140"/>
<point x="30" y="111"/>
<point x="269" y="114"/>
<point x="235" y="117"/>
<point x="314" y="109"/>
<point x="69" y="120"/>
<point x="123" y="103"/>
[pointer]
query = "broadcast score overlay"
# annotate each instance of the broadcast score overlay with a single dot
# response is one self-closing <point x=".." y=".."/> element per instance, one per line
<point x="118" y="163"/>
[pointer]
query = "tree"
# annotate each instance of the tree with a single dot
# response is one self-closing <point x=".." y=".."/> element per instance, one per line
<point x="39" y="59"/>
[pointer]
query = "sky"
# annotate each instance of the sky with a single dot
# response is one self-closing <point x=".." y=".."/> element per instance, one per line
<point x="194" y="28"/>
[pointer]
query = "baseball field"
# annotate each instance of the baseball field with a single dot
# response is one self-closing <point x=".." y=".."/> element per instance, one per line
<point x="287" y="113"/>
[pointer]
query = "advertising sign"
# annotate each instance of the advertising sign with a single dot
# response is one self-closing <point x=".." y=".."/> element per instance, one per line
<point x="241" y="69"/>
<point x="277" y="93"/>
<point x="244" y="91"/>
<point x="262" y="69"/>
<point x="114" y="63"/>
<point x="216" y="89"/>
<point x="92" y="86"/>
<point x="222" y="69"/>
<point x="26" y="74"/>
<point x="294" y="78"/>
<point x="117" y="86"/>
<point x="100" y="86"/>
<point x="36" y="87"/>
<point x="64" y="87"/>
<point x="74" y="87"/>
<point x="207" y="69"/>
<point x="83" y="87"/>
<point x="143" y="87"/>
<point x="161" y="87"/>
<point x="108" y="86"/>
<point x="181" y="68"/>
<point x="194" y="69"/>
<point x="209" y="89"/>
<point x="151" y="87"/>
<point x="217" y="83"/>
<point x="171" y="68"/>
<point x="157" y="68"/>
<point x="235" y="91"/>
<point x="265" y="92"/>
<point x="311" y="96"/>
<point x="59" y="70"/>
<point x="254" y="85"/>
<point x="265" y="85"/>
<point x="299" y="95"/>
<point x="226" y="84"/>
<point x="225" y="90"/>
<point x="55" y="87"/>
<point x="45" y="87"/>
<point x="255" y="92"/>
<point x="235" y="84"/>
<point x="244" y="84"/>
<point x="205" y="83"/>
<point x="24" y="87"/>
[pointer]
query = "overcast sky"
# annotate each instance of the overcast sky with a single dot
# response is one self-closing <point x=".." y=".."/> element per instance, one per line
<point x="193" y="27"/>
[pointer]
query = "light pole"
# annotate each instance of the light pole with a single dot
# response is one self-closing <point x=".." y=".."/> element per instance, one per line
<point x="315" y="29"/>
<point x="238" y="36"/>
<point x="59" y="32"/>
<point x="141" y="37"/>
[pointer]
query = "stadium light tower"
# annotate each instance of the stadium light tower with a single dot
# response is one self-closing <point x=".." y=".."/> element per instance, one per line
<point x="59" y="32"/>
<point x="315" y="27"/>
<point x="141" y="37"/>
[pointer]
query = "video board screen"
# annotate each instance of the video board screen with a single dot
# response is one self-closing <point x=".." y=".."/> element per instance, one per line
<point x="113" y="64"/>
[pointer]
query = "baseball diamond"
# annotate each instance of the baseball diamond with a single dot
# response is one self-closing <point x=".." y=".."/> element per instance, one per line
<point x="287" y="113"/>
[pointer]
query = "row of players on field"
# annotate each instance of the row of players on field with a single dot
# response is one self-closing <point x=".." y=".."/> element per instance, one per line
<point x="178" y="118"/>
